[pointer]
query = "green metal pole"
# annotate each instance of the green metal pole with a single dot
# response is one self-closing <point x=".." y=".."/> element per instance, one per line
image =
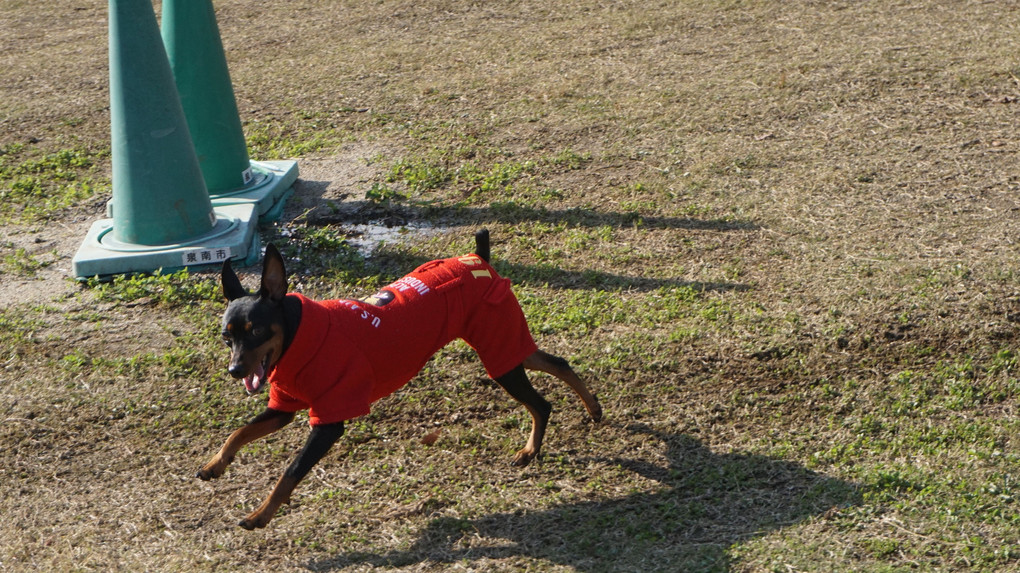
<point x="159" y="196"/>
<point x="192" y="40"/>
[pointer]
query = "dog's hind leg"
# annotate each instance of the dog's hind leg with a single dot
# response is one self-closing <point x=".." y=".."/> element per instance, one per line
<point x="516" y="384"/>
<point x="560" y="368"/>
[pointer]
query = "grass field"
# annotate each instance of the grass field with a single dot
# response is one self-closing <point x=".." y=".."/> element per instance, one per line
<point x="778" y="239"/>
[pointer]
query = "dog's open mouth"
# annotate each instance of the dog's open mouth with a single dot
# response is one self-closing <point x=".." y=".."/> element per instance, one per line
<point x="255" y="382"/>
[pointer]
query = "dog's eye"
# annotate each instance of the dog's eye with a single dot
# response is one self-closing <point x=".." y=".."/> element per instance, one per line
<point x="226" y="340"/>
<point x="258" y="331"/>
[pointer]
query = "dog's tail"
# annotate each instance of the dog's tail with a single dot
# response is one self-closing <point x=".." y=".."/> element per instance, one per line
<point x="482" y="244"/>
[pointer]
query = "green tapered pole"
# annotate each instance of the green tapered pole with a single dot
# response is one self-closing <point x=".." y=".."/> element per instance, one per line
<point x="159" y="196"/>
<point x="192" y="40"/>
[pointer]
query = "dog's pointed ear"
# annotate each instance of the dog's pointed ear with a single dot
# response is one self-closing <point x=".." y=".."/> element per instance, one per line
<point x="232" y="287"/>
<point x="274" y="276"/>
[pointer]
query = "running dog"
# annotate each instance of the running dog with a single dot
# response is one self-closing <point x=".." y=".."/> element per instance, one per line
<point x="336" y="357"/>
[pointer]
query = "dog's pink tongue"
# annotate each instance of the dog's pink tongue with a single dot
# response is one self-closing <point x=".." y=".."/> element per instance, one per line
<point x="253" y="381"/>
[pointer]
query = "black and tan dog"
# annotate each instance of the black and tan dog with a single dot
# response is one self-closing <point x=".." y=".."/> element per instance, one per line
<point x="335" y="358"/>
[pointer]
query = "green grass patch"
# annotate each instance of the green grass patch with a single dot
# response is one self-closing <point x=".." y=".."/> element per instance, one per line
<point x="307" y="133"/>
<point x="175" y="289"/>
<point x="20" y="262"/>
<point x="36" y="184"/>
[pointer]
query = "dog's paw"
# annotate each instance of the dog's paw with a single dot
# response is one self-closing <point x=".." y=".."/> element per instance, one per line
<point x="247" y="524"/>
<point x="205" y="474"/>
<point x="214" y="468"/>
<point x="253" y="521"/>
<point x="523" y="457"/>
<point x="209" y="472"/>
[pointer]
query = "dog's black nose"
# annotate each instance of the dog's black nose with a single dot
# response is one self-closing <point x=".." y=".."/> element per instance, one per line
<point x="236" y="370"/>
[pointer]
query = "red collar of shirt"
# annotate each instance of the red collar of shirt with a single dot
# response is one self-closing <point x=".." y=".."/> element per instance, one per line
<point x="310" y="336"/>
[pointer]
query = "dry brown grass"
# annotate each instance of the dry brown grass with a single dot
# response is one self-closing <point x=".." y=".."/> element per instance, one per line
<point x="777" y="237"/>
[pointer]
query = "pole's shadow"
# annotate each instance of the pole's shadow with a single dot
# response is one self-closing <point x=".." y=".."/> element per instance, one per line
<point x="706" y="503"/>
<point x="360" y="212"/>
<point x="396" y="214"/>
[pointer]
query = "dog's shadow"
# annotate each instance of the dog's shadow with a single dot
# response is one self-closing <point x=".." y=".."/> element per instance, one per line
<point x="704" y="503"/>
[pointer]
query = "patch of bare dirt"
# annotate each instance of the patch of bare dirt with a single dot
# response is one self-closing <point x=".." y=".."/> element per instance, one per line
<point x="50" y="247"/>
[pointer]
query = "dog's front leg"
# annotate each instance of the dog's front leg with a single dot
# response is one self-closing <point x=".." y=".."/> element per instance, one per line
<point x="319" y="442"/>
<point x="262" y="425"/>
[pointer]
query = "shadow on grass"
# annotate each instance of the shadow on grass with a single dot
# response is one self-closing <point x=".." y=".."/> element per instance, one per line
<point x="591" y="279"/>
<point x="399" y="215"/>
<point x="360" y="212"/>
<point x="707" y="502"/>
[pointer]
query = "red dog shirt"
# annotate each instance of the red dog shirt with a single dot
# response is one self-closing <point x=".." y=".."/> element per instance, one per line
<point x="347" y="354"/>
